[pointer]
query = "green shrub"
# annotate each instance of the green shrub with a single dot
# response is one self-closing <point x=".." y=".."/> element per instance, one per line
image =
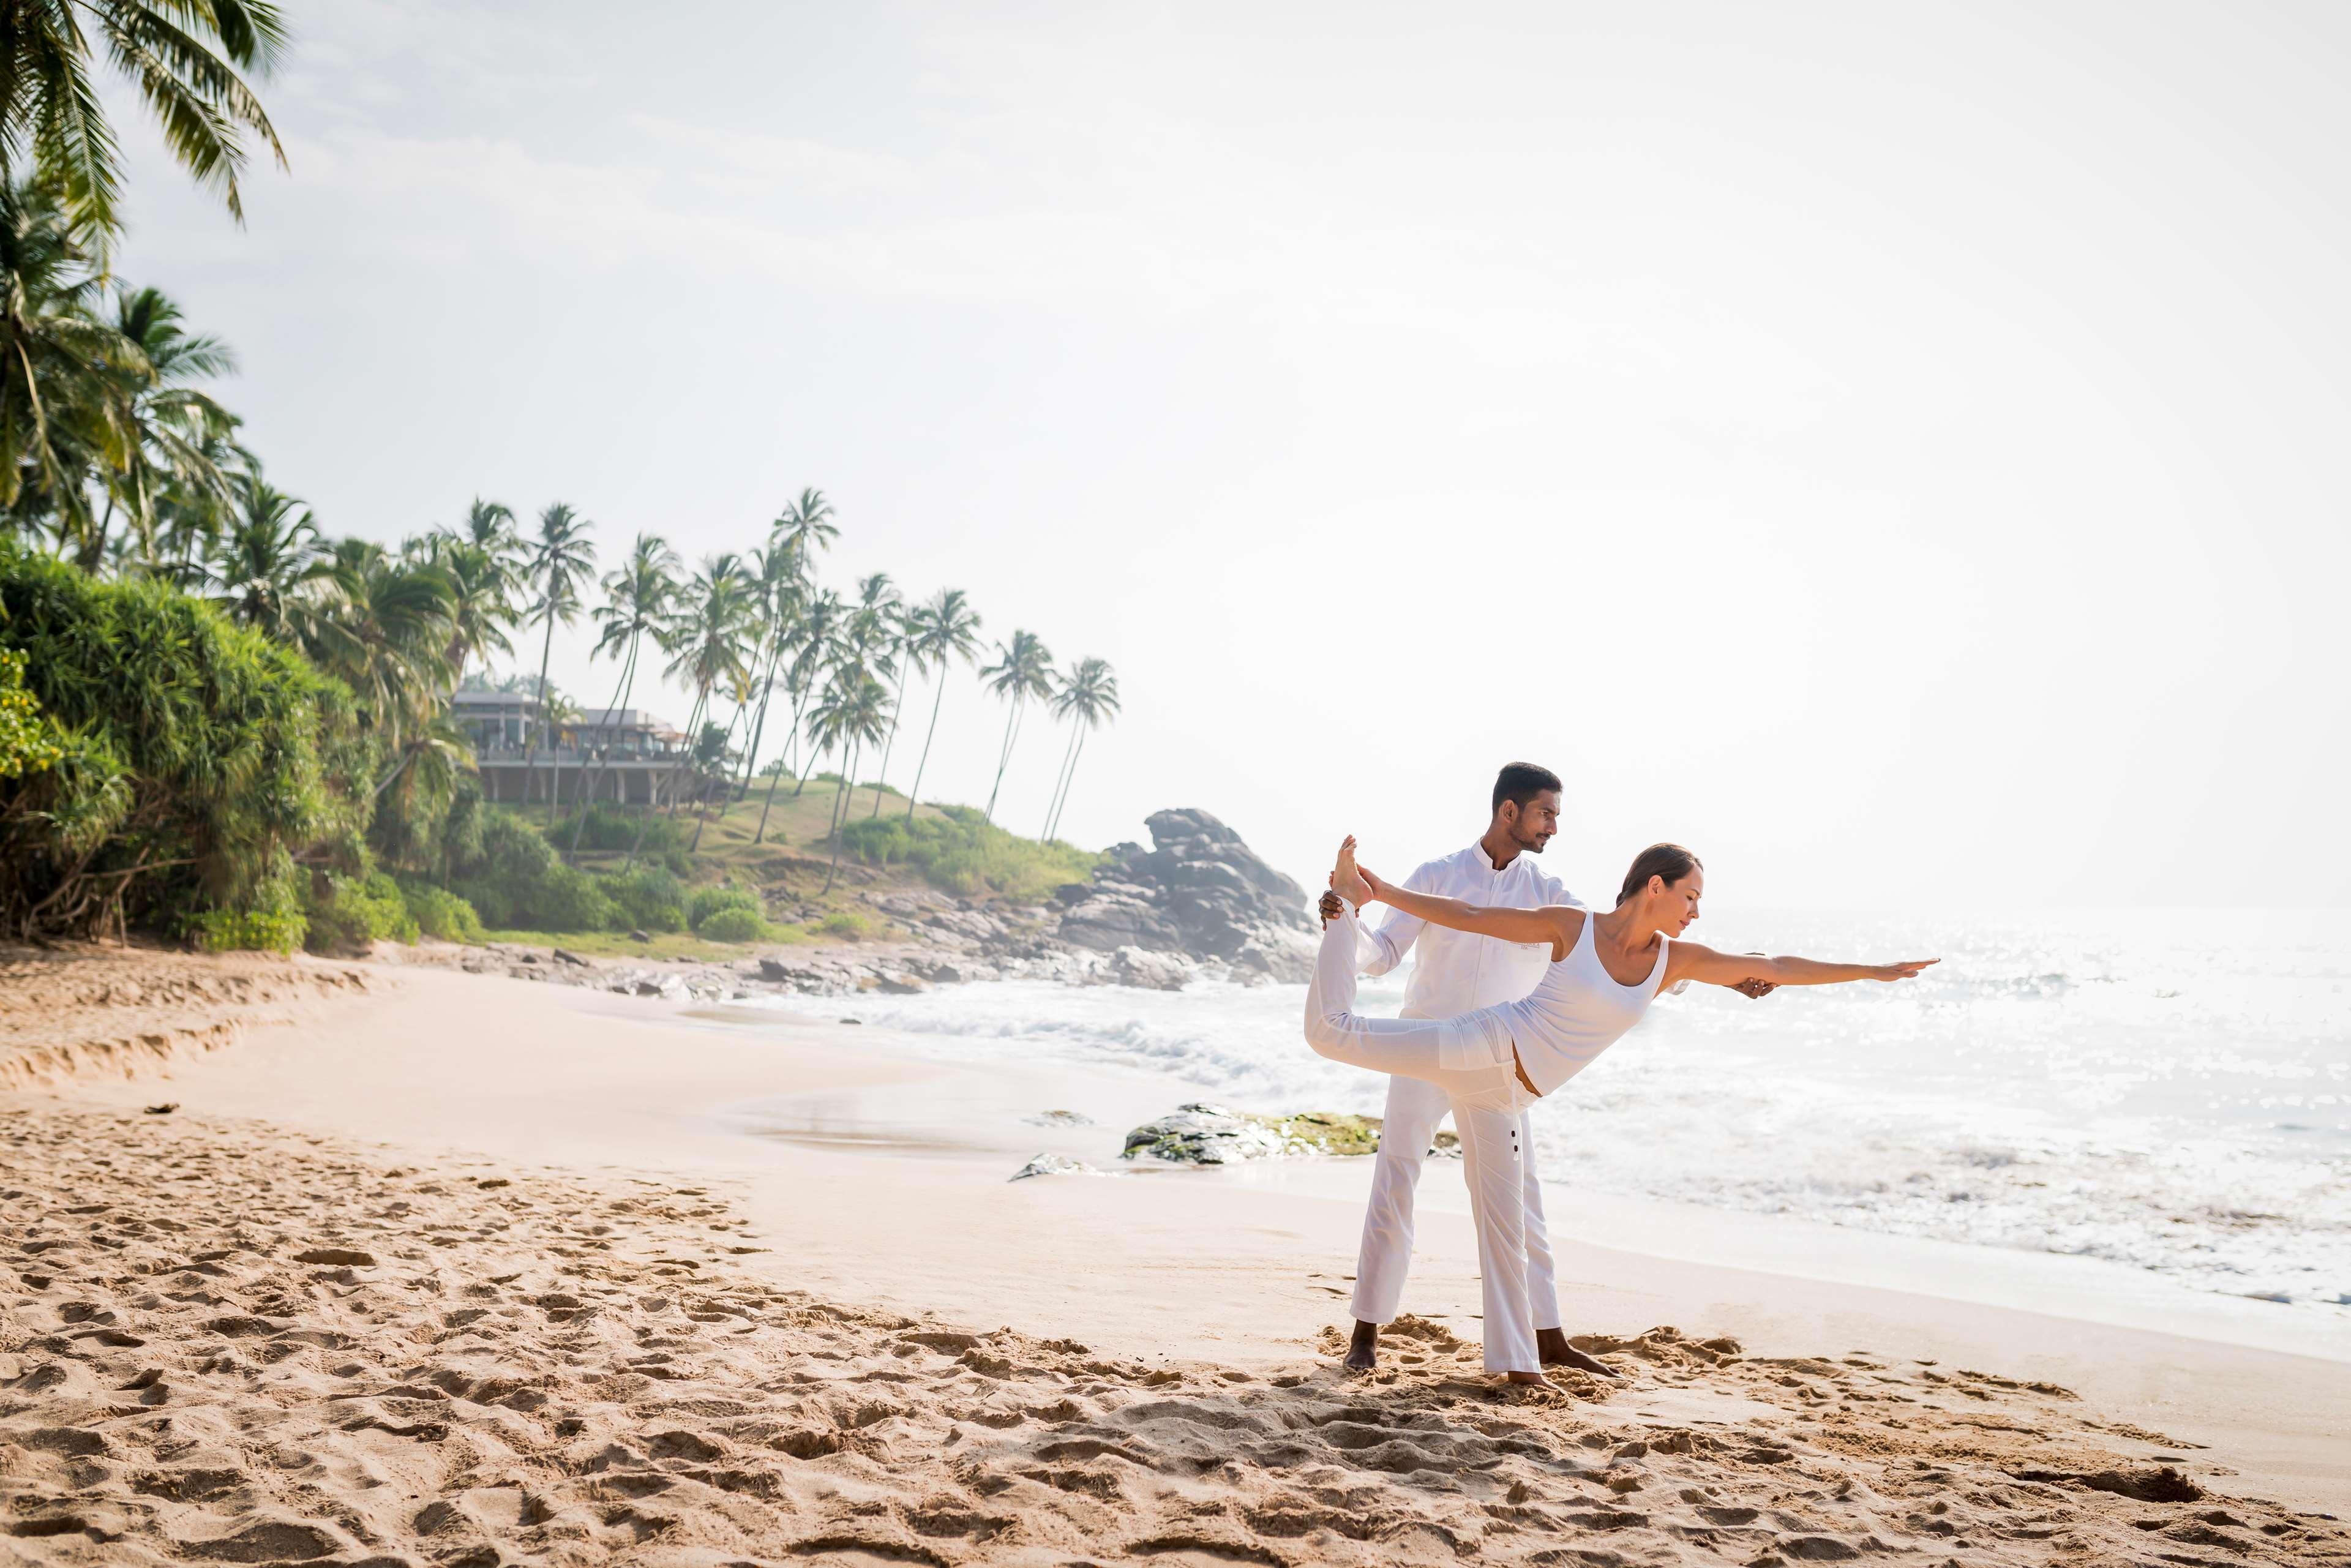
<point x="732" y="925"/>
<point x="710" y="900"/>
<point x="351" y="912"/>
<point x="28" y="743"/>
<point x="438" y="911"/>
<point x="252" y="930"/>
<point x="173" y="761"/>
<point x="617" y="828"/>
<point x="516" y="883"/>
<point x="648" y="897"/>
<point x="961" y="853"/>
<point x="569" y="900"/>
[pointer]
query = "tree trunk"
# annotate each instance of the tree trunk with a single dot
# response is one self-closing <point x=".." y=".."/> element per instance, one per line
<point x="1053" y="806"/>
<point x="760" y="726"/>
<point x="927" y="734"/>
<point x="646" y="821"/>
<point x="1004" y="758"/>
<point x="530" y="749"/>
<point x="838" y="832"/>
<point x="701" y="811"/>
<point x="897" y="695"/>
<point x="1066" y="783"/>
<point x="622" y="692"/>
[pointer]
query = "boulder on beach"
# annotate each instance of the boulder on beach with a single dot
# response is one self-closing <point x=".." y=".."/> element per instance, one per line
<point x="1204" y="1134"/>
<point x="1055" y="1165"/>
<point x="1199" y="892"/>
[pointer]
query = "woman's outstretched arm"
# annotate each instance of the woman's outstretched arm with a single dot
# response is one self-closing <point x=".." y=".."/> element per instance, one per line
<point x="1557" y="925"/>
<point x="1693" y="961"/>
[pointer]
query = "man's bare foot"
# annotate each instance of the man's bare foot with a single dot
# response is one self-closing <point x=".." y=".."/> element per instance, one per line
<point x="1552" y="1346"/>
<point x="1523" y="1376"/>
<point x="1364" y="1350"/>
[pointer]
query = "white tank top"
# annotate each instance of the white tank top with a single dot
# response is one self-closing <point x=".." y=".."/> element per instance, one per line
<point x="1577" y="1011"/>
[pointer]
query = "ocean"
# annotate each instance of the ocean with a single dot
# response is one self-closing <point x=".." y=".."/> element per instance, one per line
<point x="2165" y="1090"/>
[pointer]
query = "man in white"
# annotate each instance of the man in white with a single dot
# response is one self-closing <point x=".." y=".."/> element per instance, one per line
<point x="1455" y="973"/>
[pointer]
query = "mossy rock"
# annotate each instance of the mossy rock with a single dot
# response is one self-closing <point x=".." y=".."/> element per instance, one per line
<point x="1205" y="1134"/>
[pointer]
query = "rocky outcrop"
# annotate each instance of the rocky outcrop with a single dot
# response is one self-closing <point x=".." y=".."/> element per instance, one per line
<point x="1198" y="904"/>
<point x="1202" y="1135"/>
<point x="1198" y="893"/>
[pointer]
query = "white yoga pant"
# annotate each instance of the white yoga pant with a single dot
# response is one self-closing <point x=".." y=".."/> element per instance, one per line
<point x="1460" y="1058"/>
<point x="1415" y="1107"/>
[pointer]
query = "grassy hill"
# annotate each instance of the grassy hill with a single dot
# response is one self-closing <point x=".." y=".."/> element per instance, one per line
<point x="786" y="868"/>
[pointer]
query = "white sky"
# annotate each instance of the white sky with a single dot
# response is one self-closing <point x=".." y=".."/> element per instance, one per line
<point x="1899" y="451"/>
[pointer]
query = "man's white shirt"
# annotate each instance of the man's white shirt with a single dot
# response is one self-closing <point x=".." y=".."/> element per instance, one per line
<point x="1455" y="971"/>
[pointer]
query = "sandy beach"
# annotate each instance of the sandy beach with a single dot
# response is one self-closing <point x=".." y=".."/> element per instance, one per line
<point x="431" y="1267"/>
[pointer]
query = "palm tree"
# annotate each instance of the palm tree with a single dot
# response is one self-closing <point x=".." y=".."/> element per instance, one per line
<point x="560" y="561"/>
<point x="823" y="629"/>
<point x="59" y="366"/>
<point x="779" y="588"/>
<point x="183" y="56"/>
<point x="708" y="639"/>
<point x="558" y="714"/>
<point x="481" y="601"/>
<point x="491" y="525"/>
<point x="810" y="633"/>
<point x="168" y="429"/>
<point x="939" y="633"/>
<point x="872" y="635"/>
<point x="1023" y="669"/>
<point x="192" y="520"/>
<point x="637" y="601"/>
<point x="380" y="624"/>
<point x="1089" y="699"/>
<point x="806" y="525"/>
<point x="852" y="715"/>
<point x="269" y="550"/>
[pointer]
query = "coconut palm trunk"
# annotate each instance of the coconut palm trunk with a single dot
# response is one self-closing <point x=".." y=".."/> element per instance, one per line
<point x="670" y="779"/>
<point x="840" y="831"/>
<point x="1053" y="804"/>
<point x="778" y="778"/>
<point x="702" y="808"/>
<point x="1004" y="758"/>
<point x="1067" y="780"/>
<point x="531" y="748"/>
<point x="897" y="691"/>
<point x="621" y="690"/>
<point x="759" y="726"/>
<point x="939" y="692"/>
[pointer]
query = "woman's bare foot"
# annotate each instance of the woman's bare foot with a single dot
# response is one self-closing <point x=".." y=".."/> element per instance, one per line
<point x="1346" y="881"/>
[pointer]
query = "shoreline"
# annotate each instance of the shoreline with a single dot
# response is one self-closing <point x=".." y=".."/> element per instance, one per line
<point x="1199" y="1278"/>
<point x="972" y="1111"/>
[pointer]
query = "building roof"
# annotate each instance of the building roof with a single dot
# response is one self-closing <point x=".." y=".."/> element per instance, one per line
<point x="494" y="700"/>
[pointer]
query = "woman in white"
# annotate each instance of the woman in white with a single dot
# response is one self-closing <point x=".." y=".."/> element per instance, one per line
<point x="1493" y="1063"/>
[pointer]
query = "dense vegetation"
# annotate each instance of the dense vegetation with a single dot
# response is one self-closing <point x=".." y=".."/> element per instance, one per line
<point x="218" y="720"/>
<point x="956" y="851"/>
<point x="189" y="759"/>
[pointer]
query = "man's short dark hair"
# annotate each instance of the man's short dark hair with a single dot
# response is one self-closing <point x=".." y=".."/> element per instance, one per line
<point x="1522" y="783"/>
